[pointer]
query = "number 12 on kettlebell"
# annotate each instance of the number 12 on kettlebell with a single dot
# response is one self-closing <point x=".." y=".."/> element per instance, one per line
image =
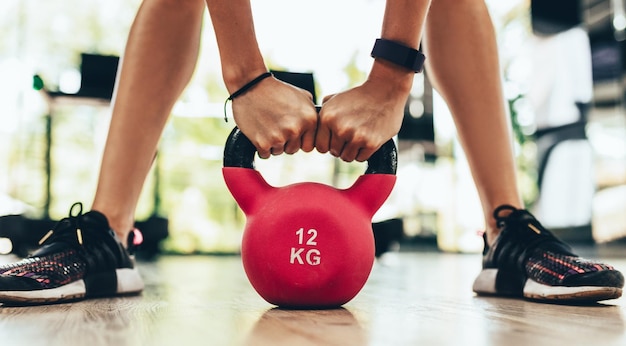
<point x="300" y="255"/>
<point x="316" y="252"/>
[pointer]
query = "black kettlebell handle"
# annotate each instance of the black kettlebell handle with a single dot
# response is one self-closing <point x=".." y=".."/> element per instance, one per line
<point x="239" y="152"/>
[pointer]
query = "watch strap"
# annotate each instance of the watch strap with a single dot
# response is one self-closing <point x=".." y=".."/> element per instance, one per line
<point x="398" y="54"/>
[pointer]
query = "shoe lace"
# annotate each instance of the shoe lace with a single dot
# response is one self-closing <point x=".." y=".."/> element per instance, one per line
<point x="70" y="223"/>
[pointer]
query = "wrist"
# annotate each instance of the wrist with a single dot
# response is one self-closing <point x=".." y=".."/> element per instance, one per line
<point x="236" y="77"/>
<point x="392" y="76"/>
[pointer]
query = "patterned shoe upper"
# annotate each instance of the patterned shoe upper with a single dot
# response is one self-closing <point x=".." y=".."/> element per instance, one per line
<point x="79" y="246"/>
<point x="525" y="249"/>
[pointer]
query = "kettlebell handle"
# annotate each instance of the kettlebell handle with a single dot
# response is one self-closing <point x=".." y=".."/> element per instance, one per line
<point x="239" y="152"/>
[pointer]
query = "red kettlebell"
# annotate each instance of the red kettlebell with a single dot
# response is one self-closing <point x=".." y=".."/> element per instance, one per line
<point x="307" y="245"/>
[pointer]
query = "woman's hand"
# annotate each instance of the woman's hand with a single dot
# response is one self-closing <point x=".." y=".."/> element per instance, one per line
<point x="277" y="117"/>
<point x="355" y="123"/>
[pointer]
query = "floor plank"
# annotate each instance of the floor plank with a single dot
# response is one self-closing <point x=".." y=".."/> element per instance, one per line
<point x="418" y="298"/>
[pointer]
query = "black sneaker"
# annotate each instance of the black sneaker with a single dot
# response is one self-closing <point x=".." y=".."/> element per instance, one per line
<point x="79" y="258"/>
<point x="527" y="261"/>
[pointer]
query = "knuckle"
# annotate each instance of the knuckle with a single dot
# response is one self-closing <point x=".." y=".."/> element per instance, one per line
<point x="263" y="146"/>
<point x="274" y="140"/>
<point x="290" y="132"/>
<point x="342" y="132"/>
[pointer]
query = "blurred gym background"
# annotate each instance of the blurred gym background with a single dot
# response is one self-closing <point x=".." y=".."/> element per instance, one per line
<point x="563" y="70"/>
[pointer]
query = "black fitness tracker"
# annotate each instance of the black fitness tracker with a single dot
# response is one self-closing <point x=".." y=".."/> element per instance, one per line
<point x="398" y="54"/>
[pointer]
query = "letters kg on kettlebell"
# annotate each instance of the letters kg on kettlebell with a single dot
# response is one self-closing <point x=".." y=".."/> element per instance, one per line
<point x="313" y="256"/>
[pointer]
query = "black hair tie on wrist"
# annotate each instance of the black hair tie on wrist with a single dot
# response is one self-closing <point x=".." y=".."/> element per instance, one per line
<point x="245" y="88"/>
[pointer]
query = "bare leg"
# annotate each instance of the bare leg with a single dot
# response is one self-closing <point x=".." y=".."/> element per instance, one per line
<point x="159" y="60"/>
<point x="463" y="64"/>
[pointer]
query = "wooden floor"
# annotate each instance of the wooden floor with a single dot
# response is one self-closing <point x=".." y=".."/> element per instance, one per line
<point x="416" y="298"/>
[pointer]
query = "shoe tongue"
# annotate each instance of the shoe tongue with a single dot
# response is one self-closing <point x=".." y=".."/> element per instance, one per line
<point x="523" y="215"/>
<point x="518" y="216"/>
<point x="96" y="220"/>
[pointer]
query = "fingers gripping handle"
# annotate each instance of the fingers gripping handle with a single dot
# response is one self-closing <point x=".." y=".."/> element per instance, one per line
<point x="239" y="152"/>
<point x="250" y="189"/>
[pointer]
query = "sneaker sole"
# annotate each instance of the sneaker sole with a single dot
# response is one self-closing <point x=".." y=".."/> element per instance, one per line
<point x="128" y="282"/>
<point x="536" y="291"/>
<point x="485" y="284"/>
